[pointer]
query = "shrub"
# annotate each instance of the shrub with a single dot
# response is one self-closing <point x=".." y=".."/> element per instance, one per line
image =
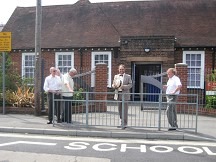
<point x="12" y="77"/>
<point x="211" y="102"/>
<point x="211" y="77"/>
<point x="23" y="97"/>
<point x="78" y="96"/>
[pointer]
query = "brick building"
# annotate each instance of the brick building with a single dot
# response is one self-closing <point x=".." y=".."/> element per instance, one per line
<point x="147" y="36"/>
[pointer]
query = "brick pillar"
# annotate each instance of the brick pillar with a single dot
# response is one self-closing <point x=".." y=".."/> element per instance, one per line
<point x="182" y="71"/>
<point x="101" y="72"/>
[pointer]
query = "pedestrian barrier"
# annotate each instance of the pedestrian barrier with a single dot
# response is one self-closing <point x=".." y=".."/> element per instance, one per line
<point x="141" y="114"/>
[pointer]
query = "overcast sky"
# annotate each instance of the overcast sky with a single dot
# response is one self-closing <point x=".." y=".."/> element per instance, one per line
<point x="8" y="6"/>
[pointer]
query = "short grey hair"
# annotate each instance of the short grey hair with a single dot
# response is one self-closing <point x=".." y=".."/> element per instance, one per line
<point x="173" y="70"/>
<point x="52" y="68"/>
<point x="73" y="70"/>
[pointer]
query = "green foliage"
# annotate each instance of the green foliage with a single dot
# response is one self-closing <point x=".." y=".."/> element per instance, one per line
<point x="211" y="77"/>
<point x="211" y="102"/>
<point x="12" y="77"/>
<point x="78" y="96"/>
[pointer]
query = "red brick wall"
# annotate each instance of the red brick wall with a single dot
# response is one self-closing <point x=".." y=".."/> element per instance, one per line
<point x="101" y="71"/>
<point x="182" y="74"/>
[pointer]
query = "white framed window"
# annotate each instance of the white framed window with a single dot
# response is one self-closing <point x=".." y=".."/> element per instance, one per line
<point x="195" y="61"/>
<point x="64" y="61"/>
<point x="28" y="65"/>
<point x="101" y="57"/>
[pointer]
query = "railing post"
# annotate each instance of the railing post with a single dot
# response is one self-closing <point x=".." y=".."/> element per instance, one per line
<point x="196" y="113"/>
<point x="87" y="108"/>
<point x="53" y="109"/>
<point x="159" y="114"/>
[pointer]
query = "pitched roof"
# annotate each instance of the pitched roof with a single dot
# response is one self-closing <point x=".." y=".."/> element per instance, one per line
<point x="86" y="24"/>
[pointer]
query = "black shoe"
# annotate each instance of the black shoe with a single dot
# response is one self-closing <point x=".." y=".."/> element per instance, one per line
<point x="120" y="126"/>
<point x="171" y="129"/>
<point x="49" y="122"/>
<point x="59" y="121"/>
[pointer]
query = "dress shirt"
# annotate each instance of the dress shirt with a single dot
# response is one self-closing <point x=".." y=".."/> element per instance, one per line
<point x="173" y="84"/>
<point x="67" y="79"/>
<point x="121" y="76"/>
<point x="52" y="83"/>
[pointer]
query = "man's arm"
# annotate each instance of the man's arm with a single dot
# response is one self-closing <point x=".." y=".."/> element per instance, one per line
<point x="129" y="85"/>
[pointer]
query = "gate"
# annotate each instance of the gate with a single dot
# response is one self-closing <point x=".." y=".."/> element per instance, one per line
<point x="140" y="69"/>
<point x="83" y="81"/>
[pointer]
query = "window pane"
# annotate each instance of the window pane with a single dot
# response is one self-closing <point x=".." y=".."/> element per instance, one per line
<point x="60" y="57"/>
<point x="193" y="63"/>
<point x="197" y="83"/>
<point x="193" y="57"/>
<point x="187" y="57"/>
<point x="192" y="83"/>
<point x="188" y="63"/>
<point x="198" y="63"/>
<point x="96" y="57"/>
<point x="106" y="57"/>
<point x="198" y="57"/>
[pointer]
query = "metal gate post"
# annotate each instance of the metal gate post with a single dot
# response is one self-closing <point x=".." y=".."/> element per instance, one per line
<point x="87" y="104"/>
<point x="196" y="113"/>
<point x="159" y="112"/>
<point x="123" y="110"/>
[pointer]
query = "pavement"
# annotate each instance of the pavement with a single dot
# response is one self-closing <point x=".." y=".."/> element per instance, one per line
<point x="31" y="124"/>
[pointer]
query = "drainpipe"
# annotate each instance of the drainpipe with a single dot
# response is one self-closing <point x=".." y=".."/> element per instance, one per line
<point x="213" y="60"/>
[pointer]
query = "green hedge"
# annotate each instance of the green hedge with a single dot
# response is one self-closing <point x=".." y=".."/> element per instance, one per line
<point x="211" y="102"/>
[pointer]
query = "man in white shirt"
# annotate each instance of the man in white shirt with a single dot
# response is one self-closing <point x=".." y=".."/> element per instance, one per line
<point x="53" y="86"/>
<point x="172" y="90"/>
<point x="67" y="93"/>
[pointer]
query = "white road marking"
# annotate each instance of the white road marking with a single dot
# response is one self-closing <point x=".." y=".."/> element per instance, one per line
<point x="110" y="140"/>
<point x="27" y="142"/>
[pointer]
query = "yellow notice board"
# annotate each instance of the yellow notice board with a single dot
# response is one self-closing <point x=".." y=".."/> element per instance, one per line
<point x="5" y="41"/>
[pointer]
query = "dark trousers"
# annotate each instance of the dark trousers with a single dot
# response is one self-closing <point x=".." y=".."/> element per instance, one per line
<point x="171" y="110"/>
<point x="57" y="106"/>
<point x="67" y="110"/>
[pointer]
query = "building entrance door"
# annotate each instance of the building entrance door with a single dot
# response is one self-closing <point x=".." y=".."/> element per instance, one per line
<point x="148" y="70"/>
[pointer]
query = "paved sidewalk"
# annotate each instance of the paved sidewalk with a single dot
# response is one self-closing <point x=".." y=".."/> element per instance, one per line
<point x="16" y="123"/>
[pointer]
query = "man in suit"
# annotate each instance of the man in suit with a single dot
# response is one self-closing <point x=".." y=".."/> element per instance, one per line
<point x="122" y="83"/>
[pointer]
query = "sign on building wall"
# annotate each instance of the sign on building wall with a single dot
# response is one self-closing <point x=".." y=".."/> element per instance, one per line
<point x="211" y="86"/>
<point x="5" y="41"/>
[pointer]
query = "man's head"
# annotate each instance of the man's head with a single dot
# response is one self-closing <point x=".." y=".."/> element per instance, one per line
<point x="53" y="71"/>
<point x="58" y="72"/>
<point x="171" y="72"/>
<point x="121" y="69"/>
<point x="72" y="72"/>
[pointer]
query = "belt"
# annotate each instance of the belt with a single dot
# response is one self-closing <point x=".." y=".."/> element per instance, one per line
<point x="54" y="91"/>
<point x="119" y="91"/>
